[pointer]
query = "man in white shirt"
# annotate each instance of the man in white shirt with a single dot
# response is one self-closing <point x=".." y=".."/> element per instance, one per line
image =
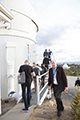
<point x="58" y="81"/>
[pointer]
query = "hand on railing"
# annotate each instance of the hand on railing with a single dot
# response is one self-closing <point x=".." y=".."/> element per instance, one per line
<point x="49" y="87"/>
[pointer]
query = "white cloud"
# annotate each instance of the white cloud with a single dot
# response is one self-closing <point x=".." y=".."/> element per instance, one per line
<point x="59" y="23"/>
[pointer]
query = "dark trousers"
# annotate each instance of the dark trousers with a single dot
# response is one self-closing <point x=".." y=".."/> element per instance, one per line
<point x="57" y="95"/>
<point x="43" y="81"/>
<point x="30" y="93"/>
<point x="26" y="98"/>
<point x="46" y="65"/>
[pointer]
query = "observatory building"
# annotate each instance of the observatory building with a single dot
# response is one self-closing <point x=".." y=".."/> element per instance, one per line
<point x="18" y="29"/>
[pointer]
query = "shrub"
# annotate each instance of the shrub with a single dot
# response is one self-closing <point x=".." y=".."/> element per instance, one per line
<point x="76" y="107"/>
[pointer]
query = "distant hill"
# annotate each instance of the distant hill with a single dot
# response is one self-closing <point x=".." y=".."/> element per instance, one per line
<point x="75" y="62"/>
<point x="73" y="68"/>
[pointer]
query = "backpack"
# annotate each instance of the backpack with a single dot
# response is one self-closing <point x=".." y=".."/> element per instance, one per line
<point x="21" y="79"/>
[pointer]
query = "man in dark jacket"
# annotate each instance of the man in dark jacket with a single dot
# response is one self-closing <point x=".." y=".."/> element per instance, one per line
<point x="46" y="61"/>
<point x="77" y="83"/>
<point x="45" y="53"/>
<point x="36" y="70"/>
<point x="28" y="76"/>
<point x="58" y="81"/>
<point x="50" y="53"/>
<point x="42" y="72"/>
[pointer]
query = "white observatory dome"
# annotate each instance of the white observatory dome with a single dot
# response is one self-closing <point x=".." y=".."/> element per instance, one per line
<point x="22" y="6"/>
<point x="25" y="19"/>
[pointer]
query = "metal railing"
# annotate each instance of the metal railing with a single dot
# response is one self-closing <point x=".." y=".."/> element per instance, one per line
<point x="44" y="90"/>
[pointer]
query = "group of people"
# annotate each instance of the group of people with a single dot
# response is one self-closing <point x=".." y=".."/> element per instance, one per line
<point x="47" y="58"/>
<point x="39" y="70"/>
<point x="48" y="53"/>
<point x="57" y="80"/>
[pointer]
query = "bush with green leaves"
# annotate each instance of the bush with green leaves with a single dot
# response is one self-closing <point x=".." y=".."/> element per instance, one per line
<point x="76" y="107"/>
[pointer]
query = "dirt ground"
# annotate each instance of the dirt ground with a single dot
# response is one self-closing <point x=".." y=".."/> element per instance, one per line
<point x="7" y="104"/>
<point x="48" y="109"/>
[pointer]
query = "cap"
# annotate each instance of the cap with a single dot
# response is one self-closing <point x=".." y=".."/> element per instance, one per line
<point x="27" y="61"/>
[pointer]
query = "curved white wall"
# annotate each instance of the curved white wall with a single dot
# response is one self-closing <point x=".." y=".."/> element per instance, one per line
<point x="24" y="17"/>
<point x="21" y="32"/>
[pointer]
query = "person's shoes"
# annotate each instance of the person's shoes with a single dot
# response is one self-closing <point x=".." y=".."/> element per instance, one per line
<point x="22" y="101"/>
<point x="32" y="98"/>
<point x="58" y="113"/>
<point x="25" y="109"/>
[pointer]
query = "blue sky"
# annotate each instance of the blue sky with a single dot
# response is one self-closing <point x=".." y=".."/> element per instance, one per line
<point x="59" y="28"/>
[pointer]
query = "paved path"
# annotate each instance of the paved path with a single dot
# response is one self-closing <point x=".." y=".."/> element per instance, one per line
<point x="16" y="112"/>
<point x="43" y="112"/>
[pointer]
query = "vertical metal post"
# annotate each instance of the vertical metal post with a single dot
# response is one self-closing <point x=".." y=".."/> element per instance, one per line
<point x="38" y="96"/>
<point x="0" y="92"/>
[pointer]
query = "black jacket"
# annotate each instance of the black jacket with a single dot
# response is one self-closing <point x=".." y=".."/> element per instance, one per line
<point x="60" y="77"/>
<point x="77" y="83"/>
<point x="46" y="61"/>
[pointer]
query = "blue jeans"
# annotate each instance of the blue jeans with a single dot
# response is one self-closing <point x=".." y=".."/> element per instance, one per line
<point x="30" y="93"/>
<point x="26" y="98"/>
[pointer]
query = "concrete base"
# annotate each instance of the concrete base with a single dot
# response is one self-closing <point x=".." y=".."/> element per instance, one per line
<point x="16" y="113"/>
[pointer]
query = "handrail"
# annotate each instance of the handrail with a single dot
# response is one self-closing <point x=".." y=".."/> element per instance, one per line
<point x="39" y="102"/>
<point x="43" y="88"/>
<point x="43" y="74"/>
